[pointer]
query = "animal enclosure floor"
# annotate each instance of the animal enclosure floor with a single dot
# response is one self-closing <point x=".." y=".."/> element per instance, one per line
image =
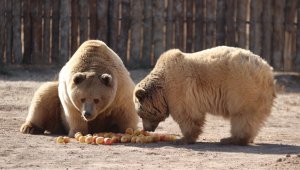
<point x="276" y="147"/>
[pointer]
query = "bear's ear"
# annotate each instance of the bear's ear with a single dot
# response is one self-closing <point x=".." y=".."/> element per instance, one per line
<point x="78" y="78"/>
<point x="106" y="79"/>
<point x="140" y="94"/>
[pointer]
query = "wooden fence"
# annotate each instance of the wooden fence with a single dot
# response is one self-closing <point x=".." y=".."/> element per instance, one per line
<point x="49" y="31"/>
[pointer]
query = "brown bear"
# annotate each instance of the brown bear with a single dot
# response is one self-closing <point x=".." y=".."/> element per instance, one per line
<point x="93" y="94"/>
<point x="226" y="81"/>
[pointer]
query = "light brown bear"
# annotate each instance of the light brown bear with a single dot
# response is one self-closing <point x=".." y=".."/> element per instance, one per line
<point x="226" y="81"/>
<point x="94" y="93"/>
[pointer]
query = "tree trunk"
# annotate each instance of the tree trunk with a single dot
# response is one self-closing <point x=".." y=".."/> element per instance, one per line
<point x="113" y="23"/>
<point x="136" y="33"/>
<point x="210" y="23"/>
<point x="9" y="31"/>
<point x="179" y="24"/>
<point x="297" y="59"/>
<point x="189" y="26"/>
<point x="55" y="31"/>
<point x="199" y="25"/>
<point x="230" y="23"/>
<point x="158" y="28"/>
<point x="220" y="27"/>
<point x="2" y="30"/>
<point x="255" y="26"/>
<point x="75" y="26"/>
<point x="102" y="22"/>
<point x="93" y="19"/>
<point x="242" y="12"/>
<point x="84" y="18"/>
<point x="267" y="30"/>
<point x="147" y="34"/>
<point x="65" y="13"/>
<point x="46" y="40"/>
<point x="37" y="32"/>
<point x="169" y="25"/>
<point x="278" y="40"/>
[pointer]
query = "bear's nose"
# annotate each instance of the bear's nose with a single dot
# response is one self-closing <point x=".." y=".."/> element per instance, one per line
<point x="87" y="114"/>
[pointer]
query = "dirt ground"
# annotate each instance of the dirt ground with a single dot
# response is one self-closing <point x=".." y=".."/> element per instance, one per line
<point x="276" y="147"/>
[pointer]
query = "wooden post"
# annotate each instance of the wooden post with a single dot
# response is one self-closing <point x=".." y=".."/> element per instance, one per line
<point x="221" y="24"/>
<point x="169" y="25"/>
<point x="65" y="13"/>
<point x="136" y="33"/>
<point x="125" y="25"/>
<point x="55" y="32"/>
<point x="9" y="31"/>
<point x="230" y="23"/>
<point x="199" y="25"/>
<point x="113" y="23"/>
<point x="290" y="35"/>
<point x="46" y="39"/>
<point x="297" y="59"/>
<point x="147" y="34"/>
<point x="102" y="22"/>
<point x="2" y="30"/>
<point x="210" y="23"/>
<point x="179" y="24"/>
<point x="189" y="26"/>
<point x="37" y="21"/>
<point x="278" y="38"/>
<point x="267" y="30"/>
<point x="242" y="12"/>
<point x="74" y="26"/>
<point x="93" y="19"/>
<point x="84" y="18"/>
<point x="158" y="28"/>
<point x="255" y="26"/>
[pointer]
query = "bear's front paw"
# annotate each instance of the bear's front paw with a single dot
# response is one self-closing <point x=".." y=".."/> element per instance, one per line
<point x="235" y="141"/>
<point x="30" y="128"/>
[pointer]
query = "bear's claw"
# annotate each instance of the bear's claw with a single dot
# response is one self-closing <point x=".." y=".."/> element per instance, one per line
<point x="29" y="128"/>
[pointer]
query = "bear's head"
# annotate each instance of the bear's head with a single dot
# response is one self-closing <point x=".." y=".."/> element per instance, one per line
<point x="150" y="103"/>
<point x="92" y="93"/>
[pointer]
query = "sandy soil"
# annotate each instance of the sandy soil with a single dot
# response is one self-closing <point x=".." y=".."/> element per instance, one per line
<point x="276" y="147"/>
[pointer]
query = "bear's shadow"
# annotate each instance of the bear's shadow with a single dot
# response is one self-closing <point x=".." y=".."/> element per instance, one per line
<point x="258" y="148"/>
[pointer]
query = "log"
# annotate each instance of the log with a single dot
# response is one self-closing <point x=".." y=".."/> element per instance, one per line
<point x="75" y="26"/>
<point x="230" y="23"/>
<point x="255" y="26"/>
<point x="93" y="19"/>
<point x="147" y="34"/>
<point x="125" y="25"/>
<point x="9" y="32"/>
<point x="55" y="32"/>
<point x="84" y="18"/>
<point x="158" y="28"/>
<point x="242" y="12"/>
<point x="46" y="38"/>
<point x="210" y="23"/>
<point x="65" y="13"/>
<point x="221" y="24"/>
<point x="179" y="24"/>
<point x="199" y="25"/>
<point x="278" y="40"/>
<point x="136" y="33"/>
<point x="37" y="31"/>
<point x="102" y="22"/>
<point x="169" y="25"/>
<point x="189" y="26"/>
<point x="267" y="29"/>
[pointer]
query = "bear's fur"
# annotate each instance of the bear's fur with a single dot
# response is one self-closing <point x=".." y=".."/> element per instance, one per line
<point x="94" y="91"/>
<point x="226" y="81"/>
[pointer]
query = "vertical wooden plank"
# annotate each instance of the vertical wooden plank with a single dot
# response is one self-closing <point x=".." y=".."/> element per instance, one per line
<point x="199" y="25"/>
<point x="242" y="12"/>
<point x="125" y="25"/>
<point x="46" y="39"/>
<point x="37" y="21"/>
<point x="147" y="34"/>
<point x="84" y="18"/>
<point x="189" y="26"/>
<point x="55" y="31"/>
<point x="290" y="35"/>
<point x="9" y="31"/>
<point x="179" y="24"/>
<point x="230" y="23"/>
<point x="169" y="25"/>
<point x="220" y="25"/>
<point x="93" y="19"/>
<point x="136" y="33"/>
<point x="65" y="13"/>
<point x="255" y="26"/>
<point x="113" y="23"/>
<point x="158" y="28"/>
<point x="278" y="40"/>
<point x="102" y="21"/>
<point x="297" y="59"/>
<point x="267" y="30"/>
<point x="210" y="23"/>
<point x="75" y="26"/>
<point x="2" y="30"/>
<point x="16" y="21"/>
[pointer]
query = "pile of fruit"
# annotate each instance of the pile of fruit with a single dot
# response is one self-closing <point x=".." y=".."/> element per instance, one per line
<point x="130" y="136"/>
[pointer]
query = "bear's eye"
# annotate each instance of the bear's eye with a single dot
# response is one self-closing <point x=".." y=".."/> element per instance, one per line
<point x="96" y="101"/>
<point x="83" y="100"/>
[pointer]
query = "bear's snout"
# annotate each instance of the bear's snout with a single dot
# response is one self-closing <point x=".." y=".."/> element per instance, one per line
<point x="87" y="114"/>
